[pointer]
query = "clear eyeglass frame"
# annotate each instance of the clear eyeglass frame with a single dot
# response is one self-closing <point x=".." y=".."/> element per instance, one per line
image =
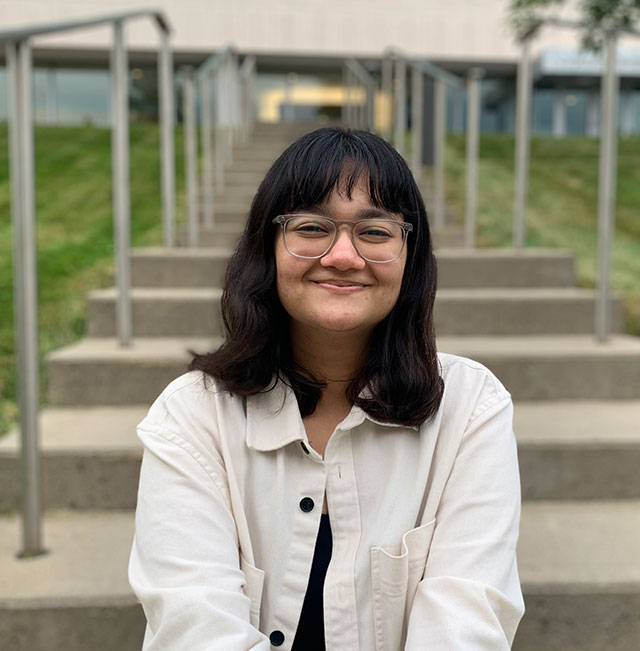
<point x="284" y="219"/>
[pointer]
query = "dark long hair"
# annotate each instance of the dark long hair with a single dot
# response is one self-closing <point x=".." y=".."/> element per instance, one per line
<point x="400" y="372"/>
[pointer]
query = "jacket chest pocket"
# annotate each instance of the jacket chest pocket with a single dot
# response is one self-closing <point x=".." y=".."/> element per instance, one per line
<point x="394" y="580"/>
<point x="254" y="580"/>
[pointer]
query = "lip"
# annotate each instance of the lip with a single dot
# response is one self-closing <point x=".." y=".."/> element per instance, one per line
<point x="340" y="286"/>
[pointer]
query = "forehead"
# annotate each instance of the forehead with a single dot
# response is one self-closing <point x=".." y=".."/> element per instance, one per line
<point x="354" y="202"/>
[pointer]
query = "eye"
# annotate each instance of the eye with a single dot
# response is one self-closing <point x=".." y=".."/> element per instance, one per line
<point x="308" y="227"/>
<point x="376" y="231"/>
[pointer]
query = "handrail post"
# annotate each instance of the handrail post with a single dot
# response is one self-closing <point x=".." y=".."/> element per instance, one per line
<point x="229" y="109"/>
<point x="371" y="110"/>
<point x="219" y="144"/>
<point x="607" y="188"/>
<point x="190" y="157"/>
<point x="523" y="133"/>
<point x="206" y="183"/>
<point x="362" y="104"/>
<point x="345" y="86"/>
<point x="167" y="121"/>
<point x="21" y="148"/>
<point x="400" y="90"/>
<point x="250" y="108"/>
<point x="120" y="165"/>
<point x="440" y="142"/>
<point x="473" y="136"/>
<point x="417" y="126"/>
<point x="387" y="93"/>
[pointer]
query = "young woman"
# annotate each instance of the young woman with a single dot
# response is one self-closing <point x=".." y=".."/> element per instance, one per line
<point x="326" y="480"/>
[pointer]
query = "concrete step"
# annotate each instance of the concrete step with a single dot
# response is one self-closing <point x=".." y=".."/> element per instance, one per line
<point x="159" y="312"/>
<point x="457" y="268"/>
<point x="250" y="165"/>
<point x="518" y="311"/>
<point x="219" y="236"/>
<point x="96" y="371"/>
<point x="236" y="193"/>
<point x="579" y="567"/>
<point x="90" y="459"/>
<point x="195" y="312"/>
<point x="579" y="449"/>
<point x="460" y="267"/>
<point x="181" y="267"/>
<point x="558" y="367"/>
<point x="567" y="450"/>
<point x="77" y="596"/>
<point x="243" y="177"/>
<point x="580" y="573"/>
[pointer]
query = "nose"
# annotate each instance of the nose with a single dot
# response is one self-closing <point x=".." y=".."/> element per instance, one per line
<point x="343" y="254"/>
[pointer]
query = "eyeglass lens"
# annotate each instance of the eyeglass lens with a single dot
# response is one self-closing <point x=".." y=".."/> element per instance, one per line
<point x="376" y="240"/>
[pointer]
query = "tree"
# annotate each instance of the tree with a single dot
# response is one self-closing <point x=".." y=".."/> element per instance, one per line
<point x="598" y="16"/>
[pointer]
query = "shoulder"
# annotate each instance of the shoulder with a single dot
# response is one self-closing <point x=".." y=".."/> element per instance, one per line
<point x="470" y="388"/>
<point x="190" y="407"/>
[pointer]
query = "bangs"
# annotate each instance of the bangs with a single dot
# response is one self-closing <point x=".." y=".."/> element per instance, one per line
<point x="331" y="160"/>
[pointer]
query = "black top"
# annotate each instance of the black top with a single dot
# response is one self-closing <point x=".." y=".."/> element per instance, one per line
<point x="310" y="633"/>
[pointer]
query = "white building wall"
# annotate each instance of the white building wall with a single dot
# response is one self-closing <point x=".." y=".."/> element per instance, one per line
<point x="446" y="29"/>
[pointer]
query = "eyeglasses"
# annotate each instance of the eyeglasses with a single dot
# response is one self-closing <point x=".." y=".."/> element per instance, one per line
<point x="312" y="236"/>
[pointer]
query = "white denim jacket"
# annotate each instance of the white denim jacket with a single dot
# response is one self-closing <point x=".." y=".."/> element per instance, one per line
<point x="424" y="522"/>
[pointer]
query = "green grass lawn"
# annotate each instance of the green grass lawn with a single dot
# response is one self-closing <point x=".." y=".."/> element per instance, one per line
<point x="75" y="242"/>
<point x="562" y="204"/>
<point x="74" y="231"/>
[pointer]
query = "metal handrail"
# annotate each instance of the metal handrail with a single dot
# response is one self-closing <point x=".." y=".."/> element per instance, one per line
<point x="225" y="91"/>
<point x="356" y="113"/>
<point x="607" y="174"/>
<point x="19" y="68"/>
<point x="442" y="80"/>
<point x="22" y="33"/>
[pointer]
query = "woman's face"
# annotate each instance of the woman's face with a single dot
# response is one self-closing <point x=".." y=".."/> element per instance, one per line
<point x="340" y="292"/>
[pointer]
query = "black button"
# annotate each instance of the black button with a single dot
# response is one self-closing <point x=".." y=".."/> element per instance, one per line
<point x="304" y="447"/>
<point x="306" y="504"/>
<point x="276" y="638"/>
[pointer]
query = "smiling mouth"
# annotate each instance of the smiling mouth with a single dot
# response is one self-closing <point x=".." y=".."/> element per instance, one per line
<point x="339" y="283"/>
<point x="340" y="286"/>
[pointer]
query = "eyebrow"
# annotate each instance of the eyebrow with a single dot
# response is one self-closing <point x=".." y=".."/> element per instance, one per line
<point x="365" y="213"/>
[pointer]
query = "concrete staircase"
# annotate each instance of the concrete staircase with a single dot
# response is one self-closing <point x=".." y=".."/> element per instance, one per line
<point x="577" y="420"/>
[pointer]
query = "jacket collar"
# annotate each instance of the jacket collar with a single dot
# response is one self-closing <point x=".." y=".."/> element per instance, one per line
<point x="273" y="419"/>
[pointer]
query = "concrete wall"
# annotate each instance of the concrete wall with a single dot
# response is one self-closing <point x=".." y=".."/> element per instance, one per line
<point x="453" y="29"/>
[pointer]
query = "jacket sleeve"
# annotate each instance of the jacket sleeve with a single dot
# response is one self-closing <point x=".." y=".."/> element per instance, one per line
<point x="470" y="597"/>
<point x="185" y="565"/>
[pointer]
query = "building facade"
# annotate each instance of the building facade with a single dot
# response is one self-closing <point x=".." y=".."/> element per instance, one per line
<point x="300" y="47"/>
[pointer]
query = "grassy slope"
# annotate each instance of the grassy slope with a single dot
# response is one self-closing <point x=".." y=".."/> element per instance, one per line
<point x="562" y="205"/>
<point x="74" y="231"/>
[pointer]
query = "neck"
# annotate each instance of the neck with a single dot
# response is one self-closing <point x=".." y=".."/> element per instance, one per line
<point x="333" y="358"/>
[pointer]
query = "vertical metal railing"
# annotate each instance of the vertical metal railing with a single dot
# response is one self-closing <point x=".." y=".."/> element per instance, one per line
<point x="442" y="81"/>
<point x="358" y="108"/>
<point x="386" y="83"/>
<point x="400" y="104"/>
<point x="207" y="193"/>
<point x="22" y="170"/>
<point x="226" y="116"/>
<point x="120" y="175"/>
<point x="166" y="97"/>
<point x="190" y="157"/>
<point x="247" y="79"/>
<point x="25" y="282"/>
<point x="607" y="162"/>
<point x="607" y="187"/>
<point x="417" y="120"/>
<point x="440" y="143"/>
<point x="522" y="144"/>
<point x="472" y="150"/>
